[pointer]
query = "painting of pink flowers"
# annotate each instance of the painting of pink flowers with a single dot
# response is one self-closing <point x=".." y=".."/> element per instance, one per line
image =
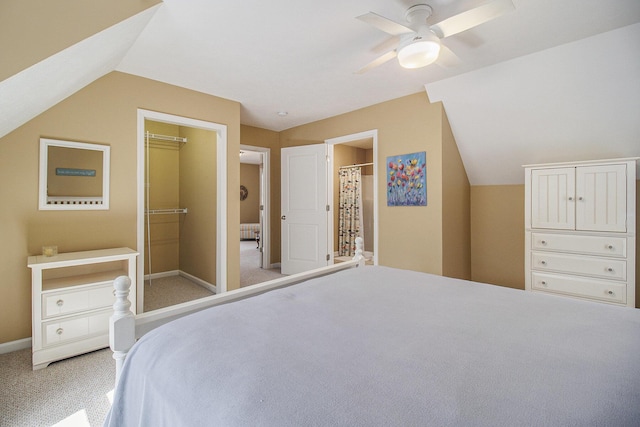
<point x="407" y="180"/>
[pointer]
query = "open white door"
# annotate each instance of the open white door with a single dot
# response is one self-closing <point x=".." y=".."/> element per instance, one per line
<point x="304" y="208"/>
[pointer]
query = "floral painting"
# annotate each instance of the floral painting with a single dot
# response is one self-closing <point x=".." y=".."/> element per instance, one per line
<point x="407" y="180"/>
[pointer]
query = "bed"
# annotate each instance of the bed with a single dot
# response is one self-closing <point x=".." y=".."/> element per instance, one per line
<point x="376" y="346"/>
<point x="249" y="231"/>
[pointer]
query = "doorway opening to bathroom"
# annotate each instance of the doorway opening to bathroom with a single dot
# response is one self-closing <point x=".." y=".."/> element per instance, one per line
<point x="352" y="192"/>
<point x="181" y="214"/>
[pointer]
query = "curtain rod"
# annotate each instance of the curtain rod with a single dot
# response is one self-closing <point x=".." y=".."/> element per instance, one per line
<point x="355" y="166"/>
<point x="166" y="137"/>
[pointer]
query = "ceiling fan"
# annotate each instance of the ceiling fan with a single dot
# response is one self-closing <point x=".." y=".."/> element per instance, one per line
<point x="419" y="43"/>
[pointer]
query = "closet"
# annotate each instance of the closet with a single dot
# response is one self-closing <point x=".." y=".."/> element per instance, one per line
<point x="580" y="229"/>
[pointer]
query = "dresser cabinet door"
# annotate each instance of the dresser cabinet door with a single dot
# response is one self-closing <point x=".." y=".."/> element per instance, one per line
<point x="601" y="198"/>
<point x="552" y="198"/>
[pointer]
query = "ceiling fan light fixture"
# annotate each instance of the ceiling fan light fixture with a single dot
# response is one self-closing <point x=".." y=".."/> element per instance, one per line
<point x="419" y="51"/>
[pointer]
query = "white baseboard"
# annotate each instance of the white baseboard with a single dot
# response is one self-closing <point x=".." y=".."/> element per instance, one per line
<point x="161" y="274"/>
<point x="181" y="273"/>
<point x="11" y="346"/>
<point x="199" y="281"/>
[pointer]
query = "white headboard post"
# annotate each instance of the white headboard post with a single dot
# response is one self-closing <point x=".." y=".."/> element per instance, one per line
<point x="121" y="324"/>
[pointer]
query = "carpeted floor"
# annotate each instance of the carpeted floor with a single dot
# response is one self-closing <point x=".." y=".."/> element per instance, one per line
<point x="166" y="291"/>
<point x="250" y="271"/>
<point x="71" y="392"/>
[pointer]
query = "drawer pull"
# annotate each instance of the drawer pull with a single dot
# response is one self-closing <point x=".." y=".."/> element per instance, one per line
<point x="59" y="331"/>
<point x="609" y="246"/>
<point x="610" y="292"/>
<point x="544" y="242"/>
<point x="610" y="270"/>
<point x="543" y="283"/>
<point x="580" y="198"/>
<point x="60" y="303"/>
<point x="543" y="262"/>
<point x="570" y="198"/>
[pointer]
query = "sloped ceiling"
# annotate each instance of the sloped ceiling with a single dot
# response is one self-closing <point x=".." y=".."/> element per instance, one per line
<point x="578" y="101"/>
<point x="532" y="84"/>
<point x="39" y="87"/>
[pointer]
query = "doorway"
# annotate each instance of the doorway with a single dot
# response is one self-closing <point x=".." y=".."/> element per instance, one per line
<point x="255" y="216"/>
<point x="203" y="210"/>
<point x="356" y="151"/>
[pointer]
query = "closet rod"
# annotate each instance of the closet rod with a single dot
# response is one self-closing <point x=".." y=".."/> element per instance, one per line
<point x="166" y="211"/>
<point x="166" y="137"/>
<point x="355" y="166"/>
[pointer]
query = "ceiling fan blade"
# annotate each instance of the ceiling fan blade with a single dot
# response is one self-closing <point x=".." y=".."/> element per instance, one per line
<point x="384" y="24"/>
<point x="446" y="58"/>
<point x="471" y="18"/>
<point x="386" y="45"/>
<point x="378" y="61"/>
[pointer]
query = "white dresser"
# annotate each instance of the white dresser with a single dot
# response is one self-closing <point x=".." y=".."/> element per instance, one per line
<point x="580" y="229"/>
<point x="72" y="300"/>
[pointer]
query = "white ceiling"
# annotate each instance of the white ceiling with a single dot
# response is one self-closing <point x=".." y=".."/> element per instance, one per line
<point x="299" y="56"/>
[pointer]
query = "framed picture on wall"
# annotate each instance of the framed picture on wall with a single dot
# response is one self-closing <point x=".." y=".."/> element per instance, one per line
<point x="407" y="179"/>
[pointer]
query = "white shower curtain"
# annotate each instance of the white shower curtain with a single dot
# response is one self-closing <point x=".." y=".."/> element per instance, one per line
<point x="350" y="210"/>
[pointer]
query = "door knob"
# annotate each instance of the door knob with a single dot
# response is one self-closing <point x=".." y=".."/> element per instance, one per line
<point x="283" y="217"/>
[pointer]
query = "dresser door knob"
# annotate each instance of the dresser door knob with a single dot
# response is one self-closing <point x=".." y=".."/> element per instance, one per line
<point x="60" y="303"/>
<point x="543" y="262"/>
<point x="610" y="270"/>
<point x="580" y="198"/>
<point x="544" y="283"/>
<point x="570" y="198"/>
<point x="609" y="246"/>
<point x="544" y="242"/>
<point x="610" y="292"/>
<point x="59" y="331"/>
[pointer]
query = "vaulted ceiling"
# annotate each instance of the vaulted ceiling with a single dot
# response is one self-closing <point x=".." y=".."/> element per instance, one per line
<point x="550" y="81"/>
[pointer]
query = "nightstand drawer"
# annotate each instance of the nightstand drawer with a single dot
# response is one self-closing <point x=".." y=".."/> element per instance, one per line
<point x="589" y="266"/>
<point x="75" y="328"/>
<point x="588" y="245"/>
<point x="582" y="287"/>
<point x="76" y="301"/>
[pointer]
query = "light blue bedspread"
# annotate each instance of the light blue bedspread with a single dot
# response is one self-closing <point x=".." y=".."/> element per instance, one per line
<point x="386" y="347"/>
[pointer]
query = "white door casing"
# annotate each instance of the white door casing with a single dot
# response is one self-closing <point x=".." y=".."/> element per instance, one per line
<point x="304" y="208"/>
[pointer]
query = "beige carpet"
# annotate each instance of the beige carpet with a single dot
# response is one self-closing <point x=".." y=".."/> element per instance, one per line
<point x="171" y="290"/>
<point x="71" y="392"/>
<point x="250" y="271"/>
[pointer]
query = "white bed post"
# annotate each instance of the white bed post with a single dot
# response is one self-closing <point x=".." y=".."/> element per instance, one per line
<point x="359" y="252"/>
<point x="122" y="324"/>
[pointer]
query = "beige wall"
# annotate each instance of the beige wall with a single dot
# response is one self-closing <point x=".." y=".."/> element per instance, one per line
<point x="198" y="193"/>
<point x="104" y="112"/>
<point x="250" y="207"/>
<point x="32" y="30"/>
<point x="410" y="237"/>
<point x="456" y="221"/>
<point x="164" y="174"/>
<point x="497" y="235"/>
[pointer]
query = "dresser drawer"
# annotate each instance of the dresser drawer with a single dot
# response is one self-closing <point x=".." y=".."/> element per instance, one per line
<point x="75" y="328"/>
<point x="588" y="245"/>
<point x="602" y="290"/>
<point x="76" y="301"/>
<point x="615" y="269"/>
